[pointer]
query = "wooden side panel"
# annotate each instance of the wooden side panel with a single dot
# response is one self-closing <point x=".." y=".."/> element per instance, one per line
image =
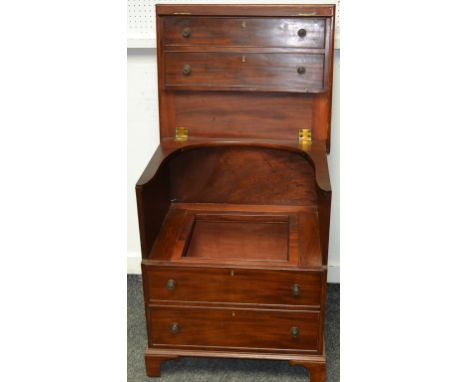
<point x="320" y="117"/>
<point x="229" y="327"/>
<point x="153" y="204"/>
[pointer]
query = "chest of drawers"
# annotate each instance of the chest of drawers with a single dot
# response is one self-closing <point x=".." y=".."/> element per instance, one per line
<point x="234" y="205"/>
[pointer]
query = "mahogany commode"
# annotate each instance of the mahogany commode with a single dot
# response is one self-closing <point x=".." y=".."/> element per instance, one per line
<point x="234" y="206"/>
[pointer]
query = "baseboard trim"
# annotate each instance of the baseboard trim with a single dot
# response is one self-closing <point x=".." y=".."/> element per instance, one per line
<point x="333" y="273"/>
<point x="133" y="264"/>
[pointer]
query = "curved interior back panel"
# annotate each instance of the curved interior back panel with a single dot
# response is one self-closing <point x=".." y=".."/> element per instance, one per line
<point x="241" y="175"/>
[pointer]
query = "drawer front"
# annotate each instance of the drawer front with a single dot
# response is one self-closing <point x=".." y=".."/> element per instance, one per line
<point x="265" y="329"/>
<point x="262" y="32"/>
<point x="254" y="71"/>
<point x="233" y="286"/>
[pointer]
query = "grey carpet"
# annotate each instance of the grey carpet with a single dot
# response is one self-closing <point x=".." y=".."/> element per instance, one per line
<point x="225" y="370"/>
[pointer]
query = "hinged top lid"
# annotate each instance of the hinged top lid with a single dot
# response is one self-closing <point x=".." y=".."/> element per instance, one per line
<point x="245" y="72"/>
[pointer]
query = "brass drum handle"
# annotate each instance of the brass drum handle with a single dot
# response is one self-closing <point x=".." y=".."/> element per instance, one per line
<point x="295" y="331"/>
<point x="186" y="70"/>
<point x="296" y="290"/>
<point x="186" y="32"/>
<point x="171" y="284"/>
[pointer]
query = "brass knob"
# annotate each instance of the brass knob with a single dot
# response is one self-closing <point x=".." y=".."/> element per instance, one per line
<point x="301" y="70"/>
<point x="186" y="70"/>
<point x="296" y="290"/>
<point x="186" y="32"/>
<point x="295" y="331"/>
<point x="301" y="32"/>
<point x="174" y="328"/>
<point x="171" y="284"/>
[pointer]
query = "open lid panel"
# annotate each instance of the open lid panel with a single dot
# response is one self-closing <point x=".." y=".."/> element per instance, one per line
<point x="245" y="72"/>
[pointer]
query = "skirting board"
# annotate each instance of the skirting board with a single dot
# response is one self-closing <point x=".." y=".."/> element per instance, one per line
<point x="133" y="263"/>
<point x="333" y="273"/>
<point x="134" y="268"/>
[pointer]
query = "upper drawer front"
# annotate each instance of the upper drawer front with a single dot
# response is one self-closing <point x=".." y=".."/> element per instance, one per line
<point x="264" y="32"/>
<point x="242" y="71"/>
<point x="240" y="328"/>
<point x="233" y="286"/>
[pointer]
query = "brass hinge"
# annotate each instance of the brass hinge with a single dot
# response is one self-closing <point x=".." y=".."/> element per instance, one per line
<point x="181" y="134"/>
<point x="305" y="136"/>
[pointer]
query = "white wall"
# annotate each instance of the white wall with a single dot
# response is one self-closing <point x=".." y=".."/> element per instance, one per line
<point x="334" y="168"/>
<point x="143" y="138"/>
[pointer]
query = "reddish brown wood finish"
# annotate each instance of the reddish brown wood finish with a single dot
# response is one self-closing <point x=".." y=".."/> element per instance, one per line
<point x="317" y="371"/>
<point x="248" y="54"/>
<point x="153" y="202"/>
<point x="245" y="31"/>
<point x="248" y="329"/>
<point x="234" y="222"/>
<point x="298" y="10"/>
<point x="243" y="115"/>
<point x="246" y="238"/>
<point x="153" y="190"/>
<point x="314" y="363"/>
<point x="233" y="285"/>
<point x="153" y="364"/>
<point x="245" y="71"/>
<point x="303" y="240"/>
<point x="241" y="175"/>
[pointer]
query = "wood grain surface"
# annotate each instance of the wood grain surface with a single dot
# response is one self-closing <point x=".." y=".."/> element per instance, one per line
<point x="245" y="31"/>
<point x="234" y="222"/>
<point x="234" y="328"/>
<point x="233" y="285"/>
<point x="241" y="175"/>
<point x="245" y="71"/>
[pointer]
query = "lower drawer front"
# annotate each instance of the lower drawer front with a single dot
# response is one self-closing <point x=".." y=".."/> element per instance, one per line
<point x="223" y="327"/>
<point x="231" y="71"/>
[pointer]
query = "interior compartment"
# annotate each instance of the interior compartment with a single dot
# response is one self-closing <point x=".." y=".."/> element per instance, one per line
<point x="235" y="204"/>
<point x="242" y="238"/>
